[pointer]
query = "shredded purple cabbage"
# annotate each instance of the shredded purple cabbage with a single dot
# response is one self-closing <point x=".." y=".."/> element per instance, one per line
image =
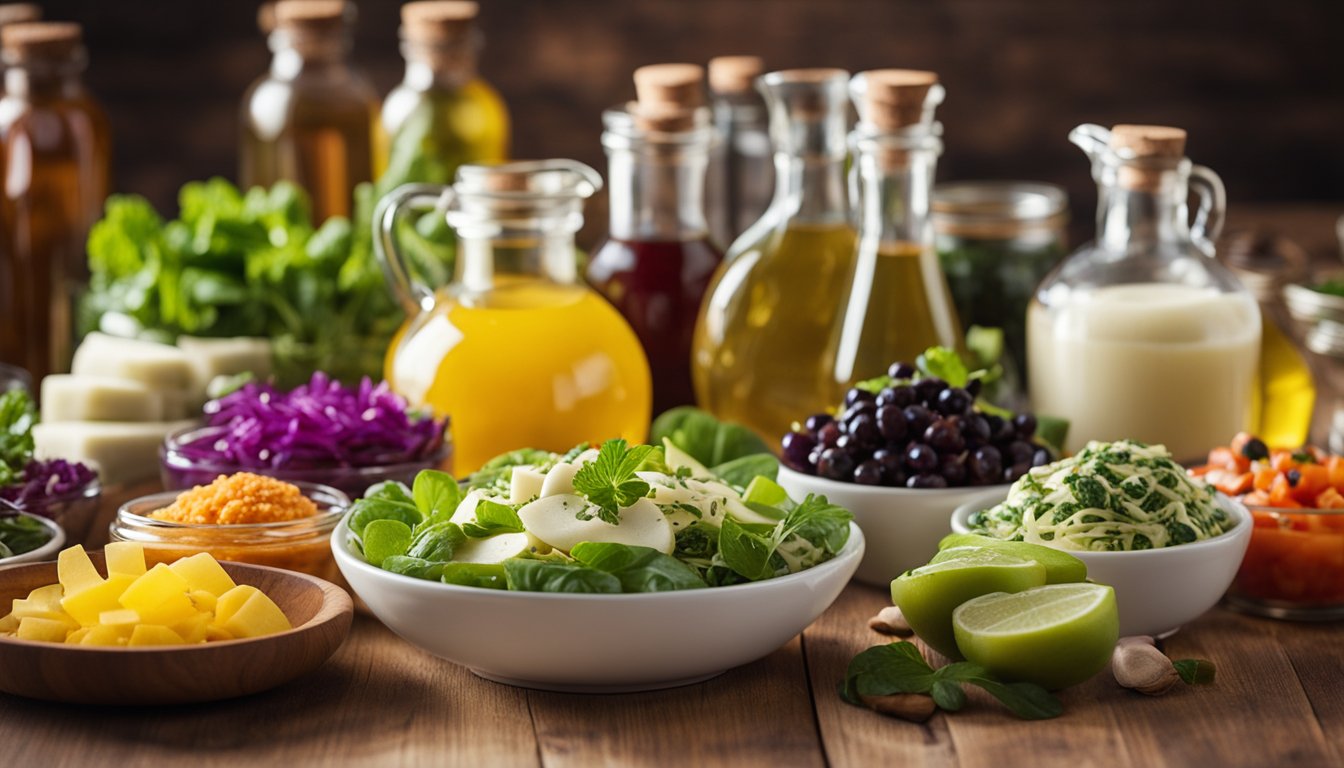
<point x="322" y="424"/>
<point x="43" y="481"/>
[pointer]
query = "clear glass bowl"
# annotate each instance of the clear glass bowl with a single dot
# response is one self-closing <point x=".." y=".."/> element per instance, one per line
<point x="295" y="545"/>
<point x="74" y="512"/>
<point x="1294" y="568"/>
<point x="180" y="472"/>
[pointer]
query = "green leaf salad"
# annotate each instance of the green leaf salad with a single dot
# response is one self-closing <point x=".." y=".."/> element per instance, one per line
<point x="1110" y="497"/>
<point x="615" y="519"/>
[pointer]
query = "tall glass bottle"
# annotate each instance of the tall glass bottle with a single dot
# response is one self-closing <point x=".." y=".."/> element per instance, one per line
<point x="896" y="303"/>
<point x="760" y="355"/>
<point x="54" y="153"/>
<point x="311" y="119"/>
<point x="1141" y="333"/>
<point x="657" y="260"/>
<point x="741" y="169"/>
<point x="516" y="349"/>
<point x="442" y="114"/>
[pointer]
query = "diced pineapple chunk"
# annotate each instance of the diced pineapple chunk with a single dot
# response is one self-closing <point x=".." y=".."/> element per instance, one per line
<point x="257" y="616"/>
<point x="160" y="597"/>
<point x="125" y="557"/>
<point x="231" y="601"/>
<point x="25" y="608"/>
<point x="153" y="634"/>
<point x="43" y="630"/>
<point x="204" y="601"/>
<point x="75" y="570"/>
<point x="121" y="617"/>
<point x="215" y="632"/>
<point x="203" y="572"/>
<point x="193" y="630"/>
<point x="9" y="624"/>
<point x="74" y="638"/>
<point x="105" y="636"/>
<point x="49" y="596"/>
<point x="86" y="605"/>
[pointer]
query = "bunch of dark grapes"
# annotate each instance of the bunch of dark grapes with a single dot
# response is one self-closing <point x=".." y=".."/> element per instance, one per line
<point x="918" y="434"/>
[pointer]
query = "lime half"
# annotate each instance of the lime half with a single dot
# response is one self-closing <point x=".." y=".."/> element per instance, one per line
<point x="1060" y="566"/>
<point x="1055" y="636"/>
<point x="928" y="595"/>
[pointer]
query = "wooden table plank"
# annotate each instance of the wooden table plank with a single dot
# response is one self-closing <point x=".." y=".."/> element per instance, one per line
<point x="1317" y="655"/>
<point x="757" y="715"/>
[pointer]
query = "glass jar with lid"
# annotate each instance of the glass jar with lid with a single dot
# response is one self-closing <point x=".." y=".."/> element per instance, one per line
<point x="517" y="350"/>
<point x="1142" y="333"/>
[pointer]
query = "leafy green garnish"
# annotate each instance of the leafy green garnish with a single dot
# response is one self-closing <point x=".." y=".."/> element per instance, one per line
<point x="708" y="440"/>
<point x="1195" y="671"/>
<point x="639" y="569"/>
<point x="436" y="542"/>
<point x="486" y="575"/>
<point x="528" y="575"/>
<point x="385" y="538"/>
<point x="900" y="668"/>
<point x="436" y="494"/>
<point x="20" y="534"/>
<point x="18" y="414"/>
<point x="493" y="518"/>
<point x="609" y="482"/>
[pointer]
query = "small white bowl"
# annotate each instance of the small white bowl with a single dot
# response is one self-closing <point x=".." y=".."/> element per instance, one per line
<point x="598" y="643"/>
<point x="1157" y="590"/>
<point x="45" y="552"/>
<point x="902" y="525"/>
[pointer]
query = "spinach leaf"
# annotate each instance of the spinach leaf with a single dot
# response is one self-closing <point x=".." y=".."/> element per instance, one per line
<point x="740" y="472"/>
<point x="413" y="566"/>
<point x="708" y="440"/>
<point x="390" y="490"/>
<point x="368" y="510"/>
<point x="820" y="522"/>
<point x="20" y="534"/>
<point x="746" y="549"/>
<point x="436" y="494"/>
<point x="639" y="569"/>
<point x="526" y="575"/>
<point x="486" y="576"/>
<point x="493" y="518"/>
<point x="886" y="669"/>
<point x="385" y="538"/>
<point x="436" y="542"/>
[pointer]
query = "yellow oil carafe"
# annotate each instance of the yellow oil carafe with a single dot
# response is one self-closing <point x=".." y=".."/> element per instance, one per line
<point x="761" y="354"/>
<point x="516" y="350"/>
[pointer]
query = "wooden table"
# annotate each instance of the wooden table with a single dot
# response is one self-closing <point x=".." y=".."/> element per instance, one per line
<point x="1278" y="701"/>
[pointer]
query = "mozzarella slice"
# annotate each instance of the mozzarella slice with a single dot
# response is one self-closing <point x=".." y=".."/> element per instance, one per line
<point x="559" y="480"/>
<point x="124" y="452"/>
<point x="466" y="509"/>
<point x="497" y="549"/>
<point x="157" y="366"/>
<point x="225" y="357"/>
<point x="525" y="484"/>
<point x="554" y="520"/>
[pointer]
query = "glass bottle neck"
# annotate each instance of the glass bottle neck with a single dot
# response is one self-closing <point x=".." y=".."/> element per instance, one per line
<point x="293" y="55"/>
<point x="442" y="66"/>
<point x="811" y="189"/>
<point x="1129" y="216"/>
<point x="483" y="261"/>
<point x="895" y="190"/>
<point x="657" y="193"/>
<point x="44" y="79"/>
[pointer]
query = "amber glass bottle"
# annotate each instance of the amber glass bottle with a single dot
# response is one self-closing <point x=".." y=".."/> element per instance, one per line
<point x="310" y="120"/>
<point x="54" y="149"/>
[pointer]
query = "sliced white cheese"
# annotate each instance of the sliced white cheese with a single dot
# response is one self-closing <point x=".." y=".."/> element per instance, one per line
<point x="225" y="357"/>
<point x="497" y="549"/>
<point x="667" y="489"/>
<point x="66" y="397"/>
<point x="559" y="480"/>
<point x="554" y="520"/>
<point x="525" y="484"/>
<point x="466" y="509"/>
<point x="161" y="367"/>
<point x="124" y="452"/>
<point x="181" y="404"/>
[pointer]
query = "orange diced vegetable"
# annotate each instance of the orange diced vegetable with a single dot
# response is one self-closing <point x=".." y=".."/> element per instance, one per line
<point x="1329" y="499"/>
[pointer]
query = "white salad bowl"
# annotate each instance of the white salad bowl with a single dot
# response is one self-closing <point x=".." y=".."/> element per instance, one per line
<point x="43" y="553"/>
<point x="598" y="643"/>
<point x="1157" y="590"/>
<point x="902" y="525"/>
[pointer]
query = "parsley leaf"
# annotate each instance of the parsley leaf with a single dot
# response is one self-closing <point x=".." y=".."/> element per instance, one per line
<point x="609" y="482"/>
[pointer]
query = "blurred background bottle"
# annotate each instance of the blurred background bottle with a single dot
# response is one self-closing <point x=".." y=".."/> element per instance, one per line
<point x="54" y="153"/>
<point x="657" y="260"/>
<point x="742" y="170"/>
<point x="310" y="120"/>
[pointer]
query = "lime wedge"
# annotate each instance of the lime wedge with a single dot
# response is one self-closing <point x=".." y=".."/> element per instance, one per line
<point x="1055" y="636"/>
<point x="928" y="595"/>
<point x="1060" y="567"/>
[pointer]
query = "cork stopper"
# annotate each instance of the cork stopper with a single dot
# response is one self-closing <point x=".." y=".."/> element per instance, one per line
<point x="734" y="74"/>
<point x="311" y="15"/>
<point x="266" y="17"/>
<point x="506" y="179"/>
<point x="1146" y="142"/>
<point x="41" y="39"/>
<point x="15" y="13"/>
<point x="667" y="96"/>
<point x="894" y="98"/>
<point x="438" y="21"/>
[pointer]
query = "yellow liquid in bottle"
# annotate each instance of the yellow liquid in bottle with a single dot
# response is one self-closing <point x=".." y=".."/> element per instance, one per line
<point x="762" y="354"/>
<point x="425" y="135"/>
<point x="529" y="364"/>
<point x="1286" y="395"/>
<point x="899" y="306"/>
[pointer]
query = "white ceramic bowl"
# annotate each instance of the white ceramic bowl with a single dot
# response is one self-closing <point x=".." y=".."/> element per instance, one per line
<point x="598" y="643"/>
<point x="1157" y="590"/>
<point x="902" y="525"/>
<point x="43" y="553"/>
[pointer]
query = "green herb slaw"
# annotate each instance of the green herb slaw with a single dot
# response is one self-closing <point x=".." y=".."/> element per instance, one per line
<point x="1117" y="496"/>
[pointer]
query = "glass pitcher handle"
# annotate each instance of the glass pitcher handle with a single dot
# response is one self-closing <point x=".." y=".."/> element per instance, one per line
<point x="1208" y="223"/>
<point x="414" y="296"/>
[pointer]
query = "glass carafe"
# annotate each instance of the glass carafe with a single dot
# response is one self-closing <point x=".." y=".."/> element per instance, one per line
<point x="760" y="354"/>
<point x="311" y="119"/>
<point x="742" y="169"/>
<point x="1141" y="333"/>
<point x="516" y="350"/>
<point x="896" y="303"/>
<point x="657" y="260"/>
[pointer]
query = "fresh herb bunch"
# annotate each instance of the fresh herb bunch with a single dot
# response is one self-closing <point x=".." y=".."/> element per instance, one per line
<point x="899" y="668"/>
<point x="26" y="482"/>
<point x="610" y="482"/>
<point x="20" y="534"/>
<point x="18" y="414"/>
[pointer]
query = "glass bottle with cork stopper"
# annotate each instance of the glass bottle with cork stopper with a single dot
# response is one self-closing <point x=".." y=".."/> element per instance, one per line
<point x="442" y="114"/>
<point x="741" y="168"/>
<point x="657" y="259"/>
<point x="516" y="350"/>
<point x="1142" y="333"/>
<point x="896" y="303"/>
<point x="760" y="355"/>
<point x="17" y="13"/>
<point x="54" y="158"/>
<point x="310" y="120"/>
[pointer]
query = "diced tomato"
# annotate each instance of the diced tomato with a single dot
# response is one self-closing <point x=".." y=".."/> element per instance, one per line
<point x="1226" y="458"/>
<point x="1312" y="479"/>
<point x="1256" y="499"/>
<point x="1236" y="485"/>
<point x="1263" y="479"/>
<point x="1329" y="499"/>
<point x="1282" y="461"/>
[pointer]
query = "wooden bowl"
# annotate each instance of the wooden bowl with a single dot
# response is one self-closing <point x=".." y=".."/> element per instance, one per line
<point x="319" y="611"/>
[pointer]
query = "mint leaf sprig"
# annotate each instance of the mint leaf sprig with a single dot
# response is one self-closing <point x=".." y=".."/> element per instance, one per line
<point x="899" y="668"/>
<point x="609" y="482"/>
